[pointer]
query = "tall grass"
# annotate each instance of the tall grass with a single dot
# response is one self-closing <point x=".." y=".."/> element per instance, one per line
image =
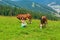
<point x="10" y="29"/>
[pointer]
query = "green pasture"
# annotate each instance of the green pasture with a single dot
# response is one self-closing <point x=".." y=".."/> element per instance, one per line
<point x="10" y="29"/>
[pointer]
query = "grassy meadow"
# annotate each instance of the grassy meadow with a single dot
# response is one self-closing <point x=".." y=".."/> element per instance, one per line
<point x="10" y="29"/>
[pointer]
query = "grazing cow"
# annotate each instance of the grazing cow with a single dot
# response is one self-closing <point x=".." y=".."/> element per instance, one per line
<point x="24" y="17"/>
<point x="43" y="21"/>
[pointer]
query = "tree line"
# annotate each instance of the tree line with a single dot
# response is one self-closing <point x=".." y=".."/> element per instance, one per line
<point x="6" y="10"/>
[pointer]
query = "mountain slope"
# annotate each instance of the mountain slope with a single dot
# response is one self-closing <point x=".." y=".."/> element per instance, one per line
<point x="28" y="5"/>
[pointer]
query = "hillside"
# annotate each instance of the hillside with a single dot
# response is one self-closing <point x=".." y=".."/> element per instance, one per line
<point x="12" y="8"/>
<point x="13" y="11"/>
<point x="28" y="5"/>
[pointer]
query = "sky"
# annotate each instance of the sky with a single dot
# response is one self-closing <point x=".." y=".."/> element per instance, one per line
<point x="38" y="1"/>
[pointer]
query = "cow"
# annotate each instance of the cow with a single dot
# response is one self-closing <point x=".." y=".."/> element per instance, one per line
<point x="43" y="21"/>
<point x="24" y="17"/>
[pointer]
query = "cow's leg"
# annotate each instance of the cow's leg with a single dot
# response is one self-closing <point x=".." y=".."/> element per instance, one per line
<point x="45" y="25"/>
<point x="23" y="23"/>
<point x="30" y="21"/>
<point x="41" y="25"/>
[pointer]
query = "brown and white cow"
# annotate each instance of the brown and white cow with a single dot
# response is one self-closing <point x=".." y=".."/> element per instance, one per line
<point x="43" y="21"/>
<point x="23" y="17"/>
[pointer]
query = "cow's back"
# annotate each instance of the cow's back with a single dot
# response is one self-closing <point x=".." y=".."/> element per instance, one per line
<point x="43" y="19"/>
<point x="24" y="16"/>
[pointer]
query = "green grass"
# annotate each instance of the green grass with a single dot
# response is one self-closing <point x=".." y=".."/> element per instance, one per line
<point x="10" y="29"/>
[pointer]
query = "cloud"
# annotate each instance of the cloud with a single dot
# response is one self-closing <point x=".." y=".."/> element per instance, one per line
<point x="54" y="6"/>
<point x="33" y="4"/>
<point x="51" y="3"/>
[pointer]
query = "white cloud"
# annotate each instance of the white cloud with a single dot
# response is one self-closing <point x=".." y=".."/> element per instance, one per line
<point x="54" y="6"/>
<point x="33" y="4"/>
<point x="51" y="3"/>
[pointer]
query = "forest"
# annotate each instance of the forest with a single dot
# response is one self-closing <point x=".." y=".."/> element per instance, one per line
<point x="6" y="10"/>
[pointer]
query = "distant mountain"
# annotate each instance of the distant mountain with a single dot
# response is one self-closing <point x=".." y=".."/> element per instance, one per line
<point x="55" y="7"/>
<point x="31" y="5"/>
<point x="46" y="2"/>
